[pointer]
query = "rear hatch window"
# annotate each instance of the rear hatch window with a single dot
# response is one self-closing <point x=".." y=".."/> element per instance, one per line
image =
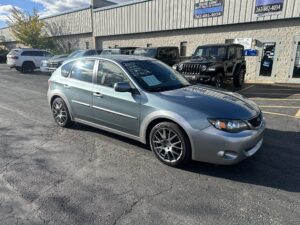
<point x="13" y="52"/>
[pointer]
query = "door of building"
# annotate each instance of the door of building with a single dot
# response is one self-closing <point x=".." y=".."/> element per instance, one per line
<point x="267" y="51"/>
<point x="295" y="65"/>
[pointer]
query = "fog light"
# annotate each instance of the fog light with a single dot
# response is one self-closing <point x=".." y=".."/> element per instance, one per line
<point x="230" y="155"/>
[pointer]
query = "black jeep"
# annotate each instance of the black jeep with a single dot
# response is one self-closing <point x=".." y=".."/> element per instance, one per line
<point x="168" y="55"/>
<point x="214" y="64"/>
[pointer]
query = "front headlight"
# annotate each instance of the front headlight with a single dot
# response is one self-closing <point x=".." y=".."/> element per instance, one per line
<point x="174" y="67"/>
<point x="232" y="126"/>
<point x="203" y="68"/>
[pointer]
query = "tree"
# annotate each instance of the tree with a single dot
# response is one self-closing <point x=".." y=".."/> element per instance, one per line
<point x="28" y="29"/>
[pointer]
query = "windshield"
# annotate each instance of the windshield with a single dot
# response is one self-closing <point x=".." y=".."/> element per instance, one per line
<point x="147" y="52"/>
<point x="13" y="52"/>
<point x="111" y="52"/>
<point x="76" y="54"/>
<point x="155" y="76"/>
<point x="210" y="51"/>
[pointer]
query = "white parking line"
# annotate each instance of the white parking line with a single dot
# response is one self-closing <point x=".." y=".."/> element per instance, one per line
<point x="275" y="99"/>
<point x="279" y="106"/>
<point x="298" y="114"/>
<point x="280" y="114"/>
<point x="265" y="93"/>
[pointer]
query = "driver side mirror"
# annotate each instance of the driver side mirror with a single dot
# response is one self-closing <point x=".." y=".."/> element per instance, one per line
<point x="122" y="87"/>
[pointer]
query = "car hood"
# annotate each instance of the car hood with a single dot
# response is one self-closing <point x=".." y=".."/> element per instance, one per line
<point x="202" y="61"/>
<point x="213" y="103"/>
<point x="60" y="60"/>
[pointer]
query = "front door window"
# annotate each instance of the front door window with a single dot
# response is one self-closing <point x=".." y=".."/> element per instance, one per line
<point x="296" y="71"/>
<point x="267" y="59"/>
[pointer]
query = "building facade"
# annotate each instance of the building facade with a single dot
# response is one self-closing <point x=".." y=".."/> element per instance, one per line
<point x="269" y="30"/>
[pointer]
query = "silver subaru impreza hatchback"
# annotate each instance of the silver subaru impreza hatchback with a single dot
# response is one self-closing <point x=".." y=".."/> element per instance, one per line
<point x="145" y="100"/>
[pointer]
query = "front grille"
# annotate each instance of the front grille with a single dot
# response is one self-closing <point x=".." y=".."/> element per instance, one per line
<point x="54" y="65"/>
<point x="191" y="68"/>
<point x="256" y="122"/>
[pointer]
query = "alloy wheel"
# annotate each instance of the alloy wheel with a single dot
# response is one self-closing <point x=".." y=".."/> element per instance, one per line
<point x="167" y="144"/>
<point x="60" y="113"/>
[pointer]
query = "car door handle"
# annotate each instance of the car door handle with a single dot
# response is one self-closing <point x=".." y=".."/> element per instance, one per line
<point x="67" y="86"/>
<point x="98" y="94"/>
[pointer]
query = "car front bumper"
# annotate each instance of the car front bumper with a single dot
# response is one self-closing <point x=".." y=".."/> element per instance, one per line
<point x="218" y="147"/>
<point x="44" y="69"/>
<point x="199" y="78"/>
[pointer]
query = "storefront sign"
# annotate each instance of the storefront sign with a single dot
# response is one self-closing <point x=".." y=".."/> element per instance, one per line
<point x="263" y="7"/>
<point x="207" y="9"/>
<point x="246" y="42"/>
<point x="250" y="52"/>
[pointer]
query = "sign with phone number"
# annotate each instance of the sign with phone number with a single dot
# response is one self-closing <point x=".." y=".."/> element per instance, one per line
<point x="263" y="7"/>
<point x="209" y="9"/>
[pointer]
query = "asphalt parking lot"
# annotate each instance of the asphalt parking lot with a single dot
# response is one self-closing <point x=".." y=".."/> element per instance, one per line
<point x="51" y="175"/>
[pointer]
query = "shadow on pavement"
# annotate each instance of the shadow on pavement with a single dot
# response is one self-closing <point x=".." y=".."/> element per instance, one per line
<point x="276" y="165"/>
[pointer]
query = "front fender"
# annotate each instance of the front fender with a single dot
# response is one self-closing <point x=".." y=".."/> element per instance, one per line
<point x="162" y="114"/>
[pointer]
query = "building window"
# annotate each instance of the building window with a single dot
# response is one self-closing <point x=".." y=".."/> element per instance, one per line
<point x="183" y="46"/>
<point x="87" y="45"/>
<point x="229" y="41"/>
<point x="69" y="46"/>
<point x="116" y="46"/>
<point x="149" y="45"/>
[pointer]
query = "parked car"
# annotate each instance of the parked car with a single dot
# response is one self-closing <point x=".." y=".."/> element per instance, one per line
<point x="55" y="63"/>
<point x="118" y="51"/>
<point x="46" y="63"/>
<point x="27" y="60"/>
<point x="3" y="56"/>
<point x="146" y="100"/>
<point x="215" y="64"/>
<point x="168" y="55"/>
<point x="111" y="51"/>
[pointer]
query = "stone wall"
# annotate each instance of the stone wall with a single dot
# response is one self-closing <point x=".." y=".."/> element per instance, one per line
<point x="75" y="42"/>
<point x="282" y="32"/>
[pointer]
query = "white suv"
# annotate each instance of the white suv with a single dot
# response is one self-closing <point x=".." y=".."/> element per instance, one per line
<point x="27" y="60"/>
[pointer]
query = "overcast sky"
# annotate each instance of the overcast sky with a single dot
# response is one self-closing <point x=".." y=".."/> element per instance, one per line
<point x="46" y="7"/>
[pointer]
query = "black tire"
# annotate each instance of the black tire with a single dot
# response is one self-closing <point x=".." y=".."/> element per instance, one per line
<point x="27" y="67"/>
<point x="218" y="83"/>
<point x="61" y="113"/>
<point x="175" y="154"/>
<point x="238" y="79"/>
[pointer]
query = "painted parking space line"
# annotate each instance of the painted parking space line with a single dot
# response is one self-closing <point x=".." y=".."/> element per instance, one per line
<point x="274" y="89"/>
<point x="298" y="114"/>
<point x="275" y="99"/>
<point x="280" y="114"/>
<point x="266" y="93"/>
<point x="279" y="106"/>
<point x="246" y="88"/>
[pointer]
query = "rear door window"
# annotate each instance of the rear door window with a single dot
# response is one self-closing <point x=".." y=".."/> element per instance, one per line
<point x="83" y="70"/>
<point x="27" y="53"/>
<point x="13" y="52"/>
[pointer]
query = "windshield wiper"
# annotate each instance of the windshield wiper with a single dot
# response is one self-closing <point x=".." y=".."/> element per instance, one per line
<point x="199" y="57"/>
